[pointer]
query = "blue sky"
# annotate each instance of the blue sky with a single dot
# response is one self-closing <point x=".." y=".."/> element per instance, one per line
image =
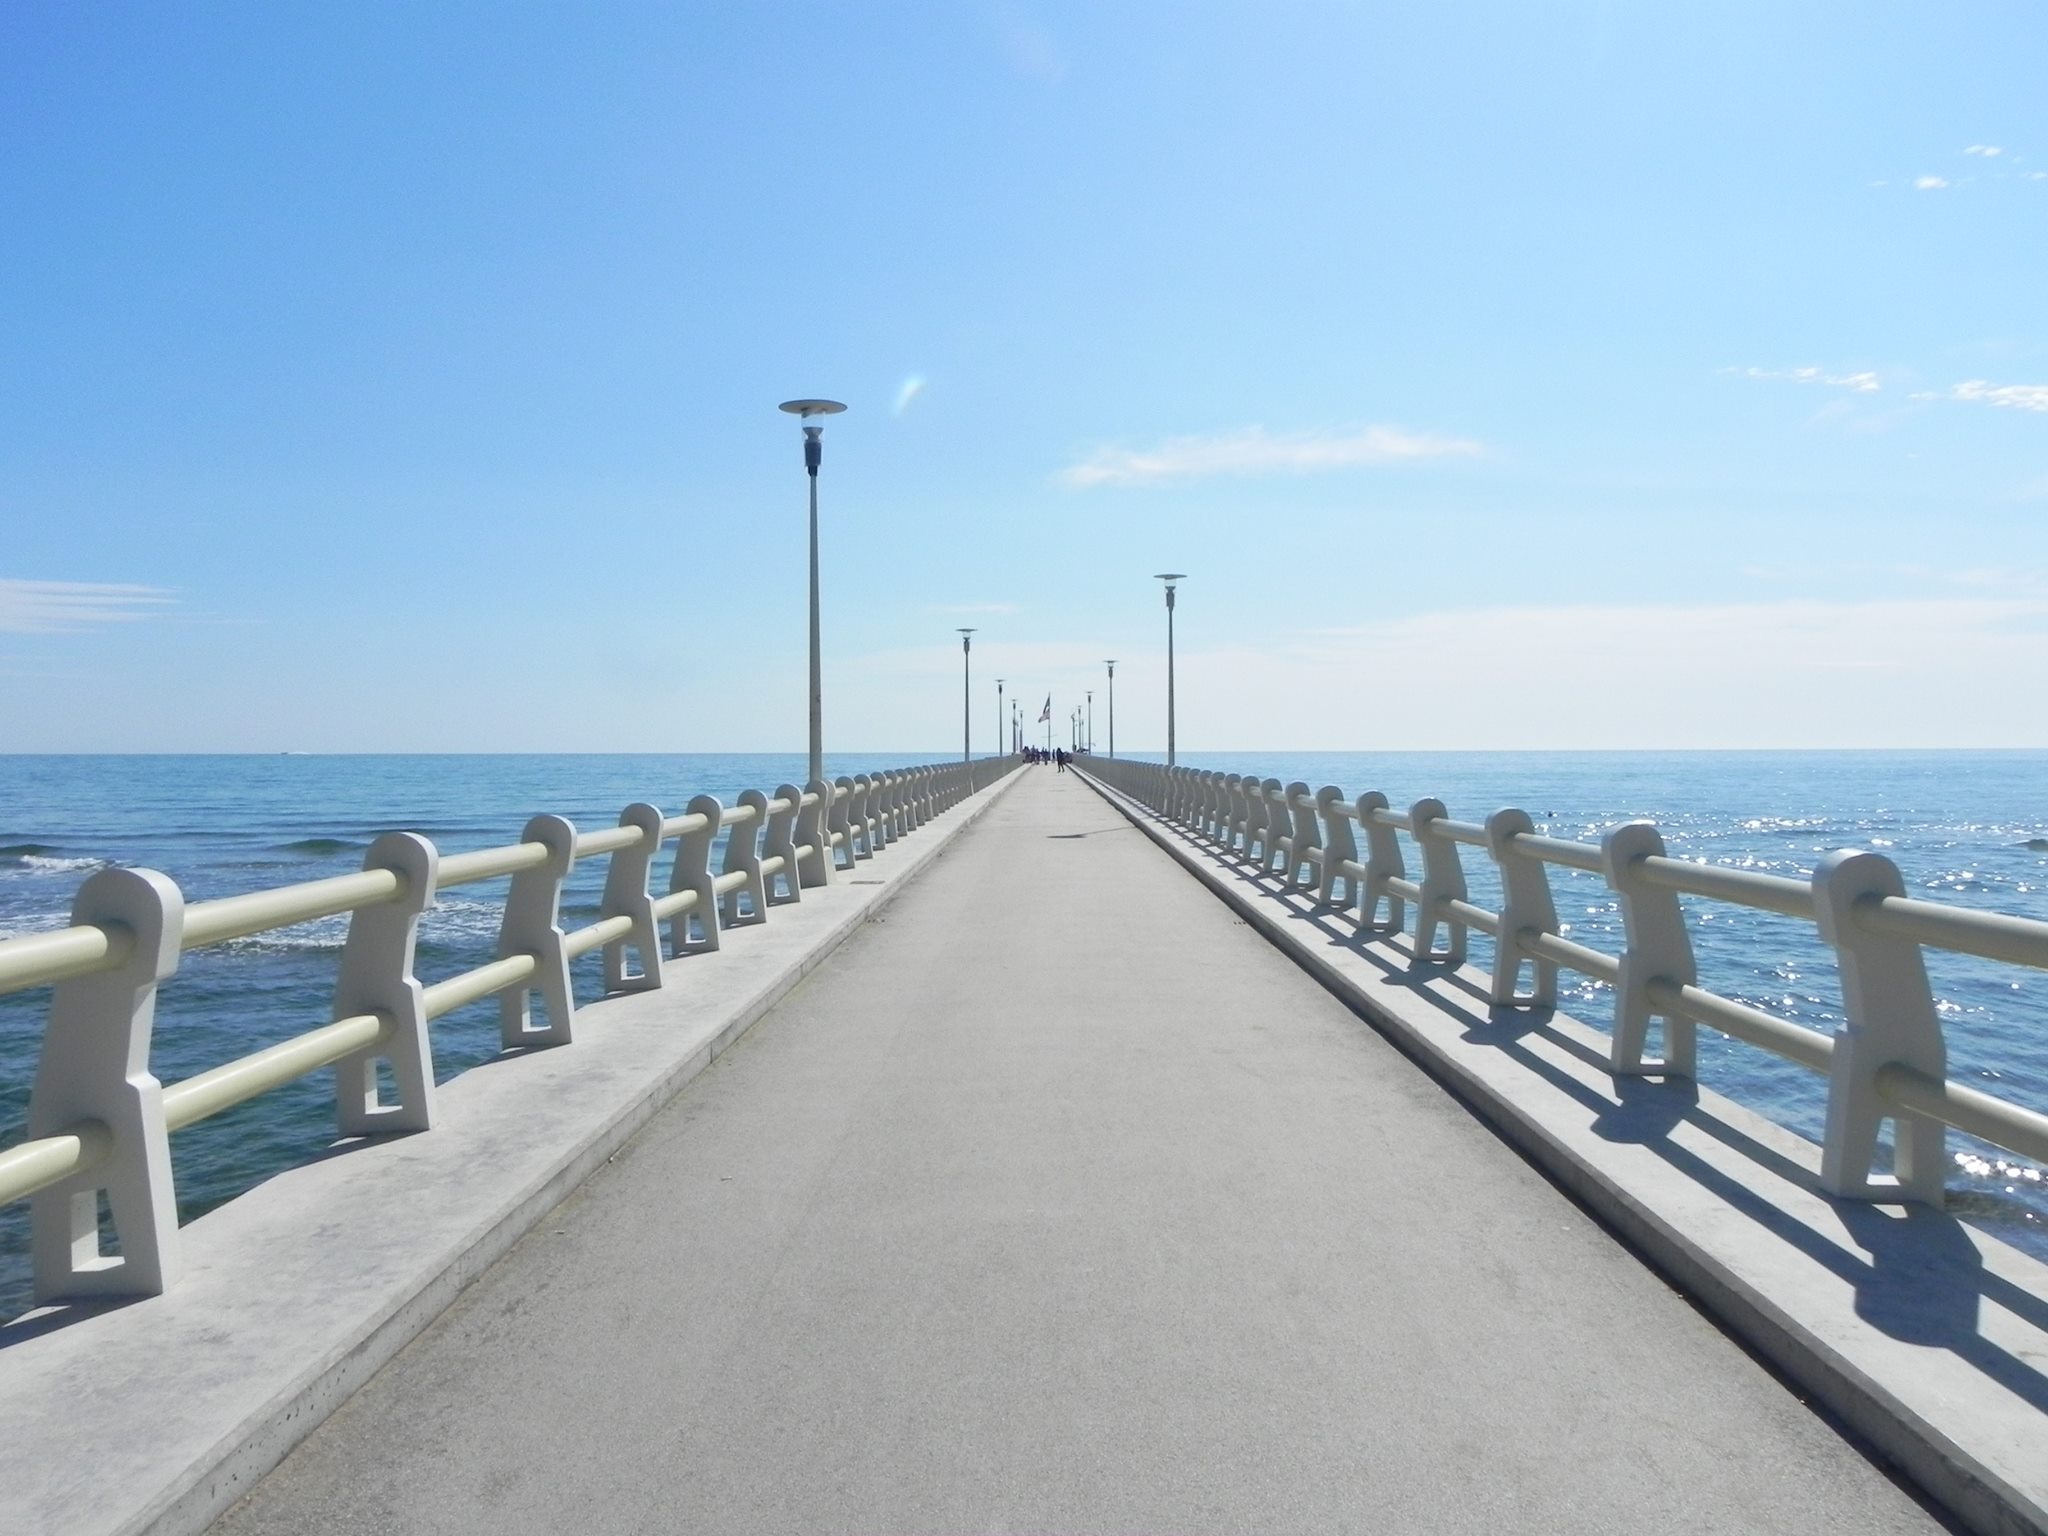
<point x="403" y="378"/>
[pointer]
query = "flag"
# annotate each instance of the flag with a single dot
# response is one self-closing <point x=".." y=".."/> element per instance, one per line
<point x="1045" y="714"/>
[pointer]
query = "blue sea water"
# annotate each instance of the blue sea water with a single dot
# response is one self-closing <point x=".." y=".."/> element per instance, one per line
<point x="1965" y="827"/>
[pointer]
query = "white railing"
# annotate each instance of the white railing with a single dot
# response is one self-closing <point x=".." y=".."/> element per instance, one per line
<point x="1888" y="1061"/>
<point x="99" y="1122"/>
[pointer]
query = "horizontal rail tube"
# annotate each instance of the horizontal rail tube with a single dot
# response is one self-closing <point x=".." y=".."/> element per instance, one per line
<point x="37" y="959"/>
<point x="1807" y="1047"/>
<point x="676" y="826"/>
<point x="207" y="1094"/>
<point x="1993" y="935"/>
<point x="730" y="881"/>
<point x="1969" y="1110"/>
<point x="1556" y="850"/>
<point x="597" y="935"/>
<point x="236" y="917"/>
<point x="489" y="864"/>
<point x="1472" y="916"/>
<point x="459" y="991"/>
<point x="1576" y="957"/>
<point x="606" y="840"/>
<point x="1460" y="831"/>
<point x="1743" y="887"/>
<point x="32" y="1165"/>
<point x="674" y="902"/>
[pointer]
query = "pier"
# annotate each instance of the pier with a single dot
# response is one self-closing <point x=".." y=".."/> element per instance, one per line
<point x="1086" y="1151"/>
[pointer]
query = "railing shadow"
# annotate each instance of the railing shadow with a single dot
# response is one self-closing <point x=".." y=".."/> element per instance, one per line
<point x="1915" y="1274"/>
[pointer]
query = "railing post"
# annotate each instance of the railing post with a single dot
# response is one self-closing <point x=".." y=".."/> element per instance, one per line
<point x="1239" y="813"/>
<point x="95" y="1068"/>
<point x="1304" y="844"/>
<point x="1889" y="1018"/>
<point x="1211" y="817"/>
<point x="893" y="813"/>
<point x="778" y="836"/>
<point x="1339" y="848"/>
<point x="533" y="926"/>
<point x="1383" y="862"/>
<point x="815" y="861"/>
<point x="743" y="856"/>
<point x="1658" y="948"/>
<point x="376" y="976"/>
<point x="1526" y="907"/>
<point x="845" y="822"/>
<point x="692" y="872"/>
<point x="625" y="895"/>
<point x="1272" y="826"/>
<point x="1443" y="879"/>
<point x="860" y="842"/>
<point x="873" y="834"/>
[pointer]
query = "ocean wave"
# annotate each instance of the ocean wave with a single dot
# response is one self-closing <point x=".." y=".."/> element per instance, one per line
<point x="320" y="846"/>
<point x="51" y="864"/>
<point x="9" y="851"/>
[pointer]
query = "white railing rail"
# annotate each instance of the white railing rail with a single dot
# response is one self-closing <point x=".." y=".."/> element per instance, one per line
<point x="1888" y="1061"/>
<point x="99" y="1121"/>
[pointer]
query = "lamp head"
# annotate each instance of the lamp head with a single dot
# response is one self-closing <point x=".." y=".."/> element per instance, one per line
<point x="814" y="430"/>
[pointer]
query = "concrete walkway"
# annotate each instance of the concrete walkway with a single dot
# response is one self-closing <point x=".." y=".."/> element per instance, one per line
<point x="1058" y="1201"/>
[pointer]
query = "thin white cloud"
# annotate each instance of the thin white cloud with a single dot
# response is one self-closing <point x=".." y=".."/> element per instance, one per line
<point x="1864" y="383"/>
<point x="960" y="610"/>
<point x="2012" y="397"/>
<point x="1032" y="51"/>
<point x="1255" y="451"/>
<point x="908" y="391"/>
<point x="57" y="607"/>
<point x="1986" y="150"/>
<point x="1903" y="672"/>
<point x="1929" y="183"/>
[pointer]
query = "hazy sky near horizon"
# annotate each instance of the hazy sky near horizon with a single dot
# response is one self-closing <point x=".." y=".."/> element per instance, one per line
<point x="403" y="378"/>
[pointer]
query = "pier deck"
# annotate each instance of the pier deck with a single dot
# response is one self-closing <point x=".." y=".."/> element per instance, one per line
<point x="1058" y="1200"/>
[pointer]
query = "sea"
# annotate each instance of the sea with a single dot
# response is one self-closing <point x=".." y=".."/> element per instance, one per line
<point x="1969" y="828"/>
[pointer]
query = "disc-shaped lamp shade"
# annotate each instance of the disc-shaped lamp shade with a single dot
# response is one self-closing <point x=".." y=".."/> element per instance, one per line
<point x="1161" y="576"/>
<point x="812" y="407"/>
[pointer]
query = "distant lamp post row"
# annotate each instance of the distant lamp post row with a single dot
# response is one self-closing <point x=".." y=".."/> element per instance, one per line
<point x="810" y="414"/>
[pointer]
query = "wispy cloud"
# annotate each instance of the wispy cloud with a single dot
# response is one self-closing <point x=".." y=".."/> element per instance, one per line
<point x="1929" y="183"/>
<point x="1904" y="672"/>
<point x="1986" y="150"/>
<point x="56" y="607"/>
<point x="908" y="391"/>
<point x="968" y="610"/>
<point x="1864" y="383"/>
<point x="2012" y="397"/>
<point x="1255" y="451"/>
<point x="1032" y="51"/>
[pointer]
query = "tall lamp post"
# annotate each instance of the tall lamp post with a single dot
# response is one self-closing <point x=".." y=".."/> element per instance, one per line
<point x="1172" y="580"/>
<point x="966" y="699"/>
<point x="814" y="452"/>
<point x="999" y="717"/>
<point x="1088" y="741"/>
<point x="1112" y="706"/>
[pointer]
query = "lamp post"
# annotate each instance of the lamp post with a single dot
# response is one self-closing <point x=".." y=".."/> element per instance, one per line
<point x="814" y="452"/>
<point x="1112" y="707"/>
<point x="1172" y="580"/>
<point x="999" y="717"/>
<point x="1088" y="741"/>
<point x="966" y="699"/>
